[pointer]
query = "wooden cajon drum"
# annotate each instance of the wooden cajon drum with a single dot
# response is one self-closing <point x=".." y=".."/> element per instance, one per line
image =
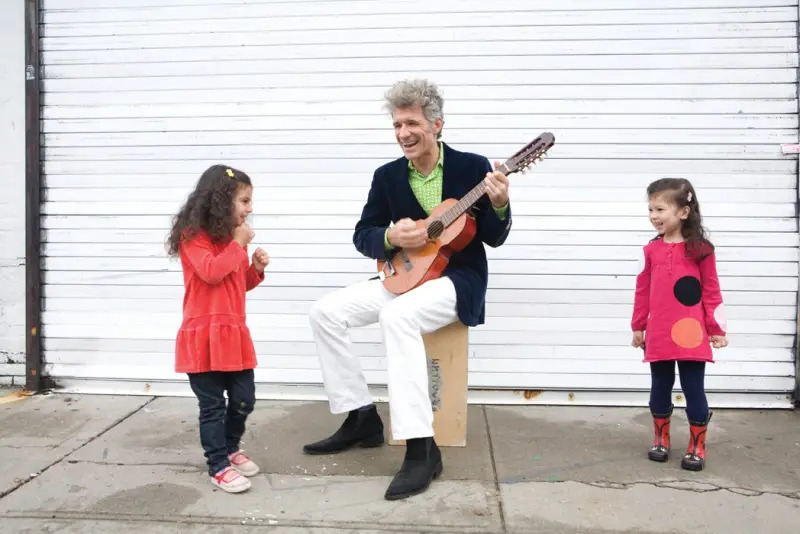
<point x="447" y="350"/>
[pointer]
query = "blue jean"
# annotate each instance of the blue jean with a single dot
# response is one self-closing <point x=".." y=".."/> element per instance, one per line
<point x="692" y="383"/>
<point x="221" y="426"/>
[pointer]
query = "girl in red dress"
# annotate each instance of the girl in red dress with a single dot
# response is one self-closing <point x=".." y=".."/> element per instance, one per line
<point x="678" y="313"/>
<point x="213" y="346"/>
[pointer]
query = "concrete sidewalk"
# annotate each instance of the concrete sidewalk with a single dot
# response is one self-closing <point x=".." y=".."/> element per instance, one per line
<point x="81" y="464"/>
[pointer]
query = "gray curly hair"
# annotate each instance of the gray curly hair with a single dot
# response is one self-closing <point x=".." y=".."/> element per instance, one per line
<point x="422" y="93"/>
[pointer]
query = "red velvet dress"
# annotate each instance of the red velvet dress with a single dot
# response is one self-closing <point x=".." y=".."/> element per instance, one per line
<point x="213" y="335"/>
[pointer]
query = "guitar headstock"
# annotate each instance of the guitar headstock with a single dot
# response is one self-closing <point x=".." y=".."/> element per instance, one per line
<point x="530" y="153"/>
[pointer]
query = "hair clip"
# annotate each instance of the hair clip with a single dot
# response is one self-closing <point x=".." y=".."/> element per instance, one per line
<point x="689" y="197"/>
<point x="230" y="173"/>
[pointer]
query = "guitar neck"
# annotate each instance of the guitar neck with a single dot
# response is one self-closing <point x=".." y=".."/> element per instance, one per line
<point x="467" y="201"/>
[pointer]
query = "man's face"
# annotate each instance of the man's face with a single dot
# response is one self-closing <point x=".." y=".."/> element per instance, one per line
<point x="414" y="133"/>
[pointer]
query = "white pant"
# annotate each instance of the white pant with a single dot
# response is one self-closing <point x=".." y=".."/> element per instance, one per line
<point x="403" y="320"/>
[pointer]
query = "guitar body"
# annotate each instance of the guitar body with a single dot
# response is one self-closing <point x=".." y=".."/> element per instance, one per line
<point x="411" y="268"/>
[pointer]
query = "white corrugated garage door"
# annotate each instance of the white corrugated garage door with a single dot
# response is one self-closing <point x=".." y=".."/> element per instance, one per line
<point x="138" y="100"/>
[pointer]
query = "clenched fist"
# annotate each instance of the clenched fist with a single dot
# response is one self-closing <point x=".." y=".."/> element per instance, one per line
<point x="638" y="339"/>
<point x="718" y="341"/>
<point x="243" y="234"/>
<point x="260" y="260"/>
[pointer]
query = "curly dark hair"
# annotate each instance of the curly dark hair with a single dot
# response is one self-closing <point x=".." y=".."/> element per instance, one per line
<point x="681" y="193"/>
<point x="209" y="207"/>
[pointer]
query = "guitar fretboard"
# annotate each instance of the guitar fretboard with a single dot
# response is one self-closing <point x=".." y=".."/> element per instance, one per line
<point x="466" y="202"/>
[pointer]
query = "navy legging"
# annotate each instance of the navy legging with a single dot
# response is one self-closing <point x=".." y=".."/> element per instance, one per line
<point x="692" y="377"/>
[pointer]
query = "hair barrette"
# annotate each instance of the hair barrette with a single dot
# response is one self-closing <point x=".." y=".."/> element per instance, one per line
<point x="689" y="197"/>
<point x="230" y="173"/>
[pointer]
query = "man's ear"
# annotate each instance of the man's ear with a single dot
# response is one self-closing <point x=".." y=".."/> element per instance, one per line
<point x="437" y="125"/>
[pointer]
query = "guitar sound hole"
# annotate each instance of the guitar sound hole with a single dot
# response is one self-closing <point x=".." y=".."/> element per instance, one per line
<point x="435" y="229"/>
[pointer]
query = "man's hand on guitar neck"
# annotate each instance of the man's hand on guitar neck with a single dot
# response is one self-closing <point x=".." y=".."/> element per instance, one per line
<point x="497" y="187"/>
<point x="405" y="234"/>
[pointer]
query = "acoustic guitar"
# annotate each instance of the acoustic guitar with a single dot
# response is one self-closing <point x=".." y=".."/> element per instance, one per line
<point x="450" y="228"/>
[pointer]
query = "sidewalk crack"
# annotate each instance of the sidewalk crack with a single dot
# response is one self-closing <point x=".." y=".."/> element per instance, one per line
<point x="494" y="472"/>
<point x="185" y="467"/>
<point x="22" y="482"/>
<point x="692" y="486"/>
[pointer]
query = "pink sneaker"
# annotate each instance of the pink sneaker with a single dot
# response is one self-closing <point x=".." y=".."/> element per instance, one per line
<point x="243" y="464"/>
<point x="231" y="481"/>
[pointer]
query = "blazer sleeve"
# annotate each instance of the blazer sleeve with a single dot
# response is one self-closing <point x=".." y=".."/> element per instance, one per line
<point x="376" y="216"/>
<point x="492" y="230"/>
<point x="211" y="268"/>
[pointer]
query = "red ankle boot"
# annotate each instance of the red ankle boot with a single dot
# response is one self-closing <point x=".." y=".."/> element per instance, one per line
<point x="695" y="457"/>
<point x="659" y="452"/>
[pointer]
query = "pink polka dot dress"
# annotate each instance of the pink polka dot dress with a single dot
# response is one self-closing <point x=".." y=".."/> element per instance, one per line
<point x="678" y="303"/>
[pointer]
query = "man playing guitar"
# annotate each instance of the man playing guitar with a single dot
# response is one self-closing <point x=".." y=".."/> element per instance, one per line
<point x="403" y="191"/>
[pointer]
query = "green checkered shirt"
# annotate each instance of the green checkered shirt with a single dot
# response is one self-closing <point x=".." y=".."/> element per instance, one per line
<point x="428" y="190"/>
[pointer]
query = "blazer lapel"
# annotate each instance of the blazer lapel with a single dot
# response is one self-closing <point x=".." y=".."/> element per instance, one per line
<point x="451" y="185"/>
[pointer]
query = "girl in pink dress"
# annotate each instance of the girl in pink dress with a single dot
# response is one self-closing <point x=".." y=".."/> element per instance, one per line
<point x="678" y="313"/>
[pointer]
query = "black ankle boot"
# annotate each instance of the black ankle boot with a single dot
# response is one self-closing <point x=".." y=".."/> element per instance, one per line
<point x="423" y="463"/>
<point x="362" y="427"/>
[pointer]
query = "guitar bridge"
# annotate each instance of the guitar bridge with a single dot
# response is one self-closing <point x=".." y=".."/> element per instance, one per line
<point x="386" y="267"/>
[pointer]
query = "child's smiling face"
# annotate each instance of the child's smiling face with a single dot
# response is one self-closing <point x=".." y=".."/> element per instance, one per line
<point x="242" y="204"/>
<point x="666" y="217"/>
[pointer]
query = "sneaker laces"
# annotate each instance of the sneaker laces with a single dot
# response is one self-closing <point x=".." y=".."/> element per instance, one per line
<point x="222" y="476"/>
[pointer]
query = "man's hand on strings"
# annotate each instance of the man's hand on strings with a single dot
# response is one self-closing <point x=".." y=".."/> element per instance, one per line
<point x="406" y="234"/>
